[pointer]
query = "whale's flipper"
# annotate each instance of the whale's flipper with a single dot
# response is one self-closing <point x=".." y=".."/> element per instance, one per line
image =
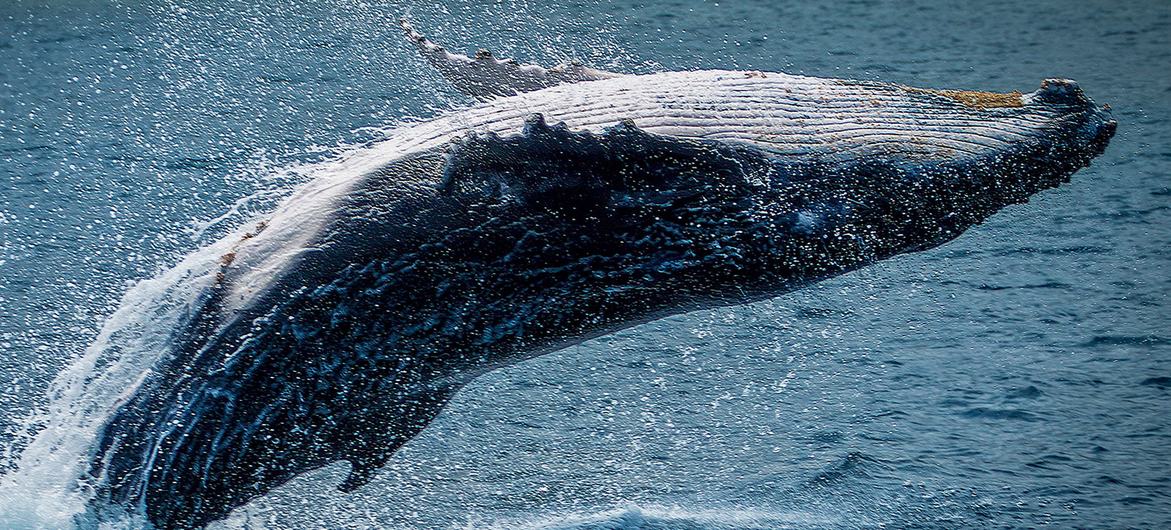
<point x="370" y="450"/>
<point x="485" y="77"/>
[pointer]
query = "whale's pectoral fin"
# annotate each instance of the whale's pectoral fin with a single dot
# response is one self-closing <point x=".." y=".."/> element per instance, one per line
<point x="361" y="473"/>
<point x="374" y="439"/>
<point x="576" y="168"/>
<point x="486" y="77"/>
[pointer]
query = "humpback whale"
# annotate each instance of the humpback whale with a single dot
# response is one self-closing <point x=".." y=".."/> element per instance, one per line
<point x="566" y="204"/>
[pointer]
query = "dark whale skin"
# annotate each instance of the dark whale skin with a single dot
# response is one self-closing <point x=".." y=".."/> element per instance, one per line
<point x="450" y="263"/>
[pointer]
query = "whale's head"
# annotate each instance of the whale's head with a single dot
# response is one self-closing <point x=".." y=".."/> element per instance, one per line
<point x="937" y="163"/>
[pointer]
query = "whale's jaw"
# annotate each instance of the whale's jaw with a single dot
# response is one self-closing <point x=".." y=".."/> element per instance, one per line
<point x="477" y="251"/>
<point x="1078" y="132"/>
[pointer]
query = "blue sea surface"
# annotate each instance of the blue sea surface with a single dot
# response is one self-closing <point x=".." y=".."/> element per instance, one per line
<point x="1017" y="377"/>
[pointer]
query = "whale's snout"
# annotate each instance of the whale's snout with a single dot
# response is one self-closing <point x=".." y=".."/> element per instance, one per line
<point x="1093" y="125"/>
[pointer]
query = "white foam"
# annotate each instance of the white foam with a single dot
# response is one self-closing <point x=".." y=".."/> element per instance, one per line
<point x="44" y="491"/>
<point x="635" y="517"/>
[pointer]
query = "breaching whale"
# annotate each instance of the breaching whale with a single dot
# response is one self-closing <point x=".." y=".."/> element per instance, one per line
<point x="567" y="204"/>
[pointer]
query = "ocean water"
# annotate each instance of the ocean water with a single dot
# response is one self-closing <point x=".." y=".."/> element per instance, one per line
<point x="1017" y="377"/>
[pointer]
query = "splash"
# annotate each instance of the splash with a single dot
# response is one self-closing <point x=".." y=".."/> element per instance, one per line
<point x="44" y="483"/>
<point x="44" y="487"/>
<point x="635" y="517"/>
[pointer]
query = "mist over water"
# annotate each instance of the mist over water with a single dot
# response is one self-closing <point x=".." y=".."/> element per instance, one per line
<point x="1015" y="377"/>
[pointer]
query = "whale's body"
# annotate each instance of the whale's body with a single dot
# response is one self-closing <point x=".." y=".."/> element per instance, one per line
<point x="339" y="326"/>
<point x="801" y="118"/>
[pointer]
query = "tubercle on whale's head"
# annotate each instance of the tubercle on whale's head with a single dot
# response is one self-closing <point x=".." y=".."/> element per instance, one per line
<point x="1091" y="126"/>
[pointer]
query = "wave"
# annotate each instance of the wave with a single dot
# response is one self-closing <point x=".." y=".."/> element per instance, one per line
<point x="636" y="517"/>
